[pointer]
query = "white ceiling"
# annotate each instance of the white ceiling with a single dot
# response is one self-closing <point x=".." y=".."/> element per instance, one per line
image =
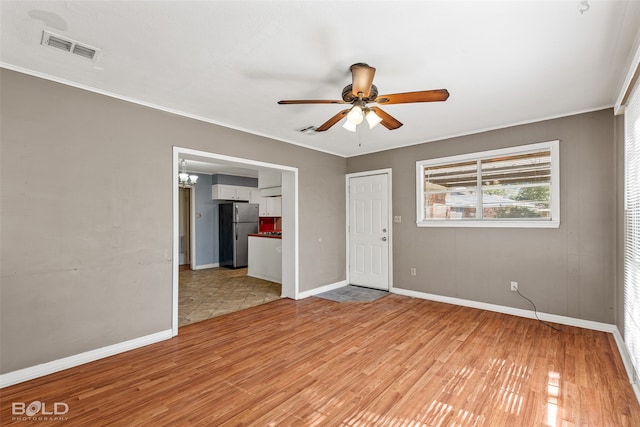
<point x="229" y="62"/>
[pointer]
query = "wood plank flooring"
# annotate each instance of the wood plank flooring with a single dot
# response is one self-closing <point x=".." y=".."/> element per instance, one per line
<point x="397" y="361"/>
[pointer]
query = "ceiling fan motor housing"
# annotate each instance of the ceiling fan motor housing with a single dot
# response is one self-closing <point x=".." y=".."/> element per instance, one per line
<point x="348" y="96"/>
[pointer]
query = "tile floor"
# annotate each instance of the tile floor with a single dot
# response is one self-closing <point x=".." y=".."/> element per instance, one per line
<point x="208" y="293"/>
<point x="353" y="293"/>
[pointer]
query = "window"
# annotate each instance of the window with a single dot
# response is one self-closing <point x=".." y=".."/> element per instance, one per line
<point x="632" y="228"/>
<point x="510" y="187"/>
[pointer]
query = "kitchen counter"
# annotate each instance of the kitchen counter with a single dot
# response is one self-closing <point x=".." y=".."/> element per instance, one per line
<point x="269" y="236"/>
<point x="265" y="257"/>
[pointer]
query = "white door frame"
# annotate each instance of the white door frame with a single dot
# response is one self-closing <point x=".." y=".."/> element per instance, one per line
<point x="192" y="228"/>
<point x="390" y="206"/>
<point x="290" y="254"/>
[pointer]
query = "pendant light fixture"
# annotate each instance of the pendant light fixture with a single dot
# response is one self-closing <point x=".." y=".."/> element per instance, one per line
<point x="184" y="179"/>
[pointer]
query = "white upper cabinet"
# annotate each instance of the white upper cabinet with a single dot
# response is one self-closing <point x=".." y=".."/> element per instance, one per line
<point x="270" y="183"/>
<point x="255" y="196"/>
<point x="270" y="206"/>
<point x="230" y="192"/>
<point x="268" y="179"/>
<point x="243" y="193"/>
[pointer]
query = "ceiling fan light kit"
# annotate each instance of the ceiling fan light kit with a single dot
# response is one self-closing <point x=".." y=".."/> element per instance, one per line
<point x="362" y="91"/>
<point x="372" y="118"/>
<point x="355" y="115"/>
<point x="348" y="125"/>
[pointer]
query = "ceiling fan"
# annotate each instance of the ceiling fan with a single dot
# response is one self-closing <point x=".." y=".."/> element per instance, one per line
<point x="361" y="92"/>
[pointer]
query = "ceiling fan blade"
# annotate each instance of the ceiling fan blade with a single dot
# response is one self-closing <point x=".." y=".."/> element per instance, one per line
<point x="332" y="121"/>
<point x="388" y="121"/>
<point x="420" y="96"/>
<point x="362" y="79"/>
<point x="312" y="101"/>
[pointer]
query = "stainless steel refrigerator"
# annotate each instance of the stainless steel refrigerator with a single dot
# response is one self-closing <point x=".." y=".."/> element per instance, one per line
<point x="237" y="221"/>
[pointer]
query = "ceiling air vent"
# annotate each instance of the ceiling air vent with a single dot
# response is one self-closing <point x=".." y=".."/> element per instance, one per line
<point x="309" y="130"/>
<point x="59" y="43"/>
<point x="84" y="51"/>
<point x="68" y="45"/>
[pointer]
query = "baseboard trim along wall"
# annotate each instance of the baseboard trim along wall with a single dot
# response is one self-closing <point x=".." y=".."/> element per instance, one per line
<point x="321" y="289"/>
<point x="47" y="368"/>
<point x="204" y="266"/>
<point x="564" y="320"/>
<point x="628" y="365"/>
<point x="569" y="321"/>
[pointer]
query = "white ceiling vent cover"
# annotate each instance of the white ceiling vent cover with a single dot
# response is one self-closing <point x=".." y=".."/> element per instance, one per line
<point x="68" y="45"/>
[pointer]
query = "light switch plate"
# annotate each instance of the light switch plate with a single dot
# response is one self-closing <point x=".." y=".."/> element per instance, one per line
<point x="397" y="219"/>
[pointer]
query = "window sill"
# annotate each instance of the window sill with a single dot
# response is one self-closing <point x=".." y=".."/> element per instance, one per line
<point x="489" y="224"/>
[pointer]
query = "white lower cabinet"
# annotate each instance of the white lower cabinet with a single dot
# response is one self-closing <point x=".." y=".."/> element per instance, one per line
<point x="265" y="258"/>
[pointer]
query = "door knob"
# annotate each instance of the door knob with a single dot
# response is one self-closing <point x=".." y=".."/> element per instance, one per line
<point x="384" y="239"/>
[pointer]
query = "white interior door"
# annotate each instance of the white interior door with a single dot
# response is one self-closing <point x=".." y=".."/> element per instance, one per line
<point x="369" y="231"/>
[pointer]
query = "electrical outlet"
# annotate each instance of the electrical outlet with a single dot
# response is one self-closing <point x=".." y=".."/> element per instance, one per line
<point x="514" y="286"/>
<point x="413" y="271"/>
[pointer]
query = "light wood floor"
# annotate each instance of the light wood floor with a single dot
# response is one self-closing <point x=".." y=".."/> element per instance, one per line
<point x="396" y="361"/>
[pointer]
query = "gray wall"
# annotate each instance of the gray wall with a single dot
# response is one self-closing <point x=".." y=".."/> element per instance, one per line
<point x="568" y="271"/>
<point x="86" y="231"/>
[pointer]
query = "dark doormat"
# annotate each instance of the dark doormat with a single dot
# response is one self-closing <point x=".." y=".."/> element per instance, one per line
<point x="353" y="293"/>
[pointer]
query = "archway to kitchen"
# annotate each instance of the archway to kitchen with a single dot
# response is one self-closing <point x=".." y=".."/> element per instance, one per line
<point x="289" y="215"/>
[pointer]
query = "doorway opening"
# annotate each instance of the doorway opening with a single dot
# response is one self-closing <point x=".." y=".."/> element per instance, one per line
<point x="289" y="288"/>
<point x="184" y="228"/>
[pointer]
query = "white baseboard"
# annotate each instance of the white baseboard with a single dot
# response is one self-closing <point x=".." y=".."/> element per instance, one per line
<point x="266" y="277"/>
<point x="626" y="360"/>
<point x="321" y="289"/>
<point x="205" y="266"/>
<point x="564" y="320"/>
<point x="624" y="353"/>
<point x="47" y="368"/>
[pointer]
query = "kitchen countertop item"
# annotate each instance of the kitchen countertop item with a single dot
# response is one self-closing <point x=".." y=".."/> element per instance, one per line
<point x="268" y="234"/>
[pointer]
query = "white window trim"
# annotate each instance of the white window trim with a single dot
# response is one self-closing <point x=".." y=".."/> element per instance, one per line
<point x="553" y="146"/>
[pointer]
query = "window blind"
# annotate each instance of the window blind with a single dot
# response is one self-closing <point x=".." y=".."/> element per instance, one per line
<point x="632" y="229"/>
